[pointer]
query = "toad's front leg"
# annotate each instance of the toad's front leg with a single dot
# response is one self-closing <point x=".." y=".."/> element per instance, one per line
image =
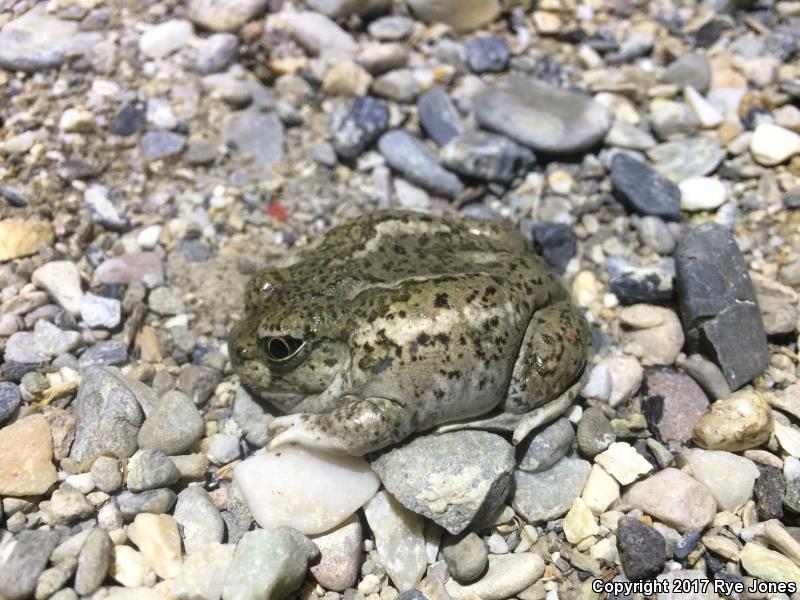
<point x="356" y="428"/>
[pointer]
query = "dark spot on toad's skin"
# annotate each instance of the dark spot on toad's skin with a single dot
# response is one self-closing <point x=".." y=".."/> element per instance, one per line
<point x="441" y="300"/>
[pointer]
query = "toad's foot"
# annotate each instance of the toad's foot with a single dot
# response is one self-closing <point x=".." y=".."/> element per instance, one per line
<point x="358" y="427"/>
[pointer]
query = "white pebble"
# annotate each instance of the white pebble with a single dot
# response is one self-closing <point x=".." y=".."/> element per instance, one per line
<point x="705" y="112"/>
<point x="165" y="38"/>
<point x="771" y="145"/>
<point x="702" y="193"/>
<point x="599" y="385"/>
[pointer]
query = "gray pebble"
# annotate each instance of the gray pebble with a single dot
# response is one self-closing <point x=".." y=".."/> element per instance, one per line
<point x="199" y="519"/>
<point x="487" y="54"/>
<point x="546" y="447"/>
<point x="164" y="301"/>
<point x="251" y="417"/>
<point x="198" y="382"/>
<point x="150" y="469"/>
<point x="106" y="474"/>
<point x="104" y="354"/>
<point x="391" y="28"/>
<point x="216" y="52"/>
<point x="173" y="425"/>
<point x="438" y="116"/>
<point x="152" y="501"/>
<point x="707" y="375"/>
<point x="399" y="85"/>
<point x="157" y="145"/>
<point x="98" y="311"/>
<point x="68" y="504"/>
<point x="486" y="156"/>
<point x="595" y="433"/>
<point x="548" y="495"/>
<point x="93" y="562"/>
<point x="409" y="156"/>
<point x="466" y="556"/>
<point x="24" y="564"/>
<point x="9" y="399"/>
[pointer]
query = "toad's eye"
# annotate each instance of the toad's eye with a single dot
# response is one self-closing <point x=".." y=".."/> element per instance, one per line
<point x="280" y="349"/>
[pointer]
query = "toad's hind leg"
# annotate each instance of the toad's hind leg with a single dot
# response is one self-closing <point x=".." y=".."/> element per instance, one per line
<point x="358" y="427"/>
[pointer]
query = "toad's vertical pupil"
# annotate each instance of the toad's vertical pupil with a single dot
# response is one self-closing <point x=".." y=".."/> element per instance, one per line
<point x="281" y="348"/>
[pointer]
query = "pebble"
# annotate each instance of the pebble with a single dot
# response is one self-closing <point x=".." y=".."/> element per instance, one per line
<point x="650" y="286"/>
<point x="626" y="377"/>
<point x="455" y="479"/>
<point x="340" y="556"/>
<point x="438" y="116"/>
<point x="409" y="156"/>
<point x="546" y="447"/>
<point x="317" y="33"/>
<point x="729" y="478"/>
<point x="400" y="85"/>
<point x="99" y="311"/>
<point x="399" y="540"/>
<point x="599" y="385"/>
<point x="165" y="38"/>
<point x="159" y="541"/>
<point x="256" y="134"/>
<point x="691" y="69"/>
<point x="672" y="404"/>
<point x="106" y="474"/>
<point x="391" y="28"/>
<point x="642" y="549"/>
<point x="718" y="302"/>
<point x="487" y="54"/>
<point x="595" y="433"/>
<point x="144" y="267"/>
<point x="128" y="121"/>
<point x="601" y="490"/>
<point x="198" y="382"/>
<point x="25" y="562"/>
<point x="670" y="120"/>
<point x="654" y="233"/>
<point x="150" y="469"/>
<point x="788" y="437"/>
<point x="201" y="573"/>
<point x="158" y="145"/>
<point x="68" y="505"/>
<point x="23" y="237"/>
<point x="26" y="455"/>
<point x="770" y="491"/>
<point x="685" y="158"/>
<point x="778" y="305"/>
<point x="367" y="120"/>
<point x="165" y="302"/>
<point x="224" y="15"/>
<point x="466" y="556"/>
<point x="75" y="120"/>
<point x="549" y="494"/>
<point x="660" y="343"/>
<point x="107" y="415"/>
<point x="23" y="347"/>
<point x="62" y="281"/>
<point x="773" y="145"/>
<point x="768" y="565"/>
<point x="104" y="354"/>
<point x="507" y="575"/>
<point x="93" y="562"/>
<point x="623" y="462"/>
<point x="52" y="580"/>
<point x="37" y="41"/>
<point x="347" y="78"/>
<point x="675" y="498"/>
<point x="579" y="523"/>
<point x="625" y="135"/>
<point x="707" y="375"/>
<point x="705" y="112"/>
<point x="200" y="521"/>
<point x="740" y="422"/>
<point x="153" y="501"/>
<point x="702" y="193"/>
<point x="546" y="118"/>
<point x="461" y="15"/>
<point x="216" y="53"/>
<point x="274" y="486"/>
<point x="223" y="448"/>
<point x="556" y="243"/>
<point x="486" y="156"/>
<point x="251" y="417"/>
<point x="9" y="398"/>
<point x="643" y="190"/>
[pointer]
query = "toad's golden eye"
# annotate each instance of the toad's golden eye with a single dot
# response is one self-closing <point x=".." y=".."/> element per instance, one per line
<point x="280" y="349"/>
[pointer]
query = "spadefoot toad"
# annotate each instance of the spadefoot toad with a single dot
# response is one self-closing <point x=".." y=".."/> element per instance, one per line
<point x="396" y="322"/>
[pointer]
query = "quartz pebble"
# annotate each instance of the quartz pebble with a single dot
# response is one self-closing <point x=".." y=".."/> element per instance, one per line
<point x="729" y="478"/>
<point x="772" y="144"/>
<point x="165" y="38"/>
<point x="274" y="486"/>
<point x="601" y="490"/>
<point x="623" y="462"/>
<point x="702" y="193"/>
<point x="159" y="541"/>
<point x="62" y="280"/>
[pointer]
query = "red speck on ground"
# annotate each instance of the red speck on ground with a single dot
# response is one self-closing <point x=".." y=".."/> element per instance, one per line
<point x="276" y="210"/>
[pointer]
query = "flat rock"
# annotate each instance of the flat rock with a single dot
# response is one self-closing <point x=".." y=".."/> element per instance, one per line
<point x="340" y="556"/>
<point x="507" y="575"/>
<point x="165" y="38"/>
<point x="768" y="565"/>
<point x="544" y="117"/>
<point x="438" y="116"/>
<point x="37" y="40"/>
<point x="718" y="303"/>
<point x="675" y="498"/>
<point x="224" y="15"/>
<point x="275" y="486"/>
<point x="159" y="145"/>
<point x="25" y="562"/>
<point x="23" y="237"/>
<point x="771" y="144"/>
<point x="461" y="15"/>
<point x="681" y="159"/>
<point x="26" y="457"/>
<point x="93" y="562"/>
<point x="62" y="280"/>
<point x="546" y="447"/>
<point x="643" y="190"/>
<point x="672" y="403"/>
<point x="601" y="490"/>
<point x="690" y="69"/>
<point x="107" y="415"/>
<point x="408" y="155"/>
<point x="399" y="540"/>
<point x="548" y="495"/>
<point x="455" y="479"/>
<point x="729" y="478"/>
<point x="486" y="156"/>
<point x="145" y="267"/>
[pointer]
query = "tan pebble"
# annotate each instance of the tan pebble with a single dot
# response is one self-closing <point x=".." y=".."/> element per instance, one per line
<point x="738" y="423"/>
<point x="26" y="457"/>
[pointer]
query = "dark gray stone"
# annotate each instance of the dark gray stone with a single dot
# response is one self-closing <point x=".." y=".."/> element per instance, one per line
<point x="104" y="354"/>
<point x="642" y="549"/>
<point x="107" y="416"/>
<point x="791" y="498"/>
<point x="129" y="120"/>
<point x="769" y="490"/>
<point x="543" y="117"/>
<point x="158" y="502"/>
<point x="9" y="399"/>
<point x="686" y="544"/>
<point x="486" y="156"/>
<point x="595" y="433"/>
<point x="487" y="54"/>
<point x="476" y="464"/>
<point x="409" y="156"/>
<point x="635" y="286"/>
<point x="546" y="447"/>
<point x="438" y="116"/>
<point x="21" y="570"/>
<point x="672" y="403"/>
<point x="718" y="303"/>
<point x="367" y="120"/>
<point x="644" y="191"/>
<point x="556" y="242"/>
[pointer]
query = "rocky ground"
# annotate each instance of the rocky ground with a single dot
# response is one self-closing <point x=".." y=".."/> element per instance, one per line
<point x="154" y="155"/>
